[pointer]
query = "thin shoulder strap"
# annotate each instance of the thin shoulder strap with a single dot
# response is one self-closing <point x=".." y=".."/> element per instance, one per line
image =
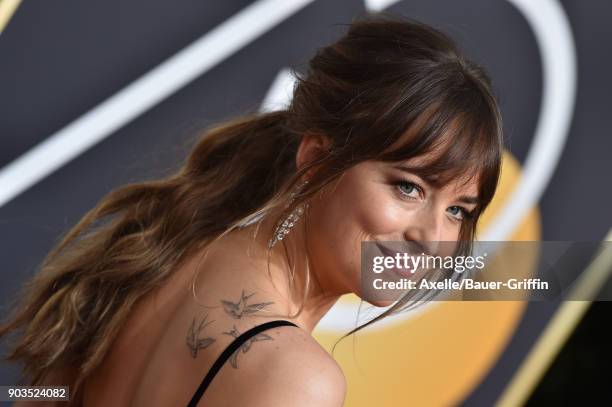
<point x="232" y="347"/>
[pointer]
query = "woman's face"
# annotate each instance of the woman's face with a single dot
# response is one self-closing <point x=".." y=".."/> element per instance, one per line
<point x="379" y="201"/>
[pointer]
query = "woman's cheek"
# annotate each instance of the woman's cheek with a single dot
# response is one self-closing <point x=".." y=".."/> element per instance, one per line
<point x="383" y="217"/>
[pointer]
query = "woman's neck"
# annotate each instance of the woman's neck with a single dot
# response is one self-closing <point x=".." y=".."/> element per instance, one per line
<point x="240" y="262"/>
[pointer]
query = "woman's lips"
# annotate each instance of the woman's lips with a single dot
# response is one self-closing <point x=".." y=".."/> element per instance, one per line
<point x="386" y="251"/>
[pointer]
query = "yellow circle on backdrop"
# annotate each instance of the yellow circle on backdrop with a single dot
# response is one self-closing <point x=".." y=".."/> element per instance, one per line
<point x="437" y="357"/>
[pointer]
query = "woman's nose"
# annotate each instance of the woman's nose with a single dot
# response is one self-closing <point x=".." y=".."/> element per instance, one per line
<point x="426" y="228"/>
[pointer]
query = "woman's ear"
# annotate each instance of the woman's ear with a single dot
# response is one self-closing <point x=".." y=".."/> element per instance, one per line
<point x="311" y="148"/>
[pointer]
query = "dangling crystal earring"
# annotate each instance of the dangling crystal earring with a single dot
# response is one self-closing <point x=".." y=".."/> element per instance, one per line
<point x="284" y="226"/>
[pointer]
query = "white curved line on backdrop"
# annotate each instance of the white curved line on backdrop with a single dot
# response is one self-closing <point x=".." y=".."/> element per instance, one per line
<point x="553" y="34"/>
<point x="144" y="93"/>
<point x="280" y="93"/>
<point x="375" y="6"/>
<point x="554" y="37"/>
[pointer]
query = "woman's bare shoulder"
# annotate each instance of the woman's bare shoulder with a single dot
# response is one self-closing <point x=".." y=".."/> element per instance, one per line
<point x="291" y="369"/>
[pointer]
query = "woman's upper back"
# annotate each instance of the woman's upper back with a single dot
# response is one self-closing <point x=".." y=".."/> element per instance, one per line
<point x="169" y="344"/>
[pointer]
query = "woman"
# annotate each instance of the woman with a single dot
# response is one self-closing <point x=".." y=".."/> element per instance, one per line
<point x="391" y="135"/>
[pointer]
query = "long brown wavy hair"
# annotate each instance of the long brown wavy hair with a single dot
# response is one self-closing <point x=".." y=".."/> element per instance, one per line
<point x="389" y="89"/>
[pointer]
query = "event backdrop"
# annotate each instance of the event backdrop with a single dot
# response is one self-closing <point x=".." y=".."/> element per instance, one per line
<point x="100" y="93"/>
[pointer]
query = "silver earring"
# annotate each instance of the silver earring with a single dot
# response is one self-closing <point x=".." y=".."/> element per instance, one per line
<point x="285" y="226"/>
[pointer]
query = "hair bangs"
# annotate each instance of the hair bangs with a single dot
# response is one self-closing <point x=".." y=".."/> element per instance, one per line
<point x="446" y="143"/>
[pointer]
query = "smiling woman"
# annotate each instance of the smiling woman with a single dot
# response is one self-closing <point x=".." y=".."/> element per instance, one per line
<point x="391" y="135"/>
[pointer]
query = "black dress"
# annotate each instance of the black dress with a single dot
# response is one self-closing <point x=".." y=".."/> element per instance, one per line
<point x="227" y="352"/>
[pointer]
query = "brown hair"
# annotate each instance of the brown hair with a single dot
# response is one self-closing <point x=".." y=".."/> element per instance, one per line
<point x="390" y="89"/>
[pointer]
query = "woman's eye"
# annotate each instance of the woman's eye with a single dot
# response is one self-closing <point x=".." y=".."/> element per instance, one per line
<point x="409" y="189"/>
<point x="458" y="212"/>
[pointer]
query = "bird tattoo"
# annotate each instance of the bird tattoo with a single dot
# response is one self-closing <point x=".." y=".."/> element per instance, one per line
<point x="194" y="342"/>
<point x="246" y="345"/>
<point x="241" y="309"/>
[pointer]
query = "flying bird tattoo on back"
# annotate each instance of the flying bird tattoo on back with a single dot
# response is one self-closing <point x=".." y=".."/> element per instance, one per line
<point x="194" y="341"/>
<point x="246" y="345"/>
<point x="241" y="309"/>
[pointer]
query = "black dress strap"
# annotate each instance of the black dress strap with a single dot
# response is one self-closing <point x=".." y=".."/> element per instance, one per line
<point x="232" y="347"/>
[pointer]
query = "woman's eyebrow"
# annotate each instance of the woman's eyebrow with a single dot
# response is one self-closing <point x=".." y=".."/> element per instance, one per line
<point x="468" y="199"/>
<point x="430" y="180"/>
